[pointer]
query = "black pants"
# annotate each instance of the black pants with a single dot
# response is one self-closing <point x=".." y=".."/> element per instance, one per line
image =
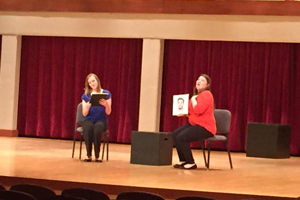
<point x="92" y="133"/>
<point x="186" y="134"/>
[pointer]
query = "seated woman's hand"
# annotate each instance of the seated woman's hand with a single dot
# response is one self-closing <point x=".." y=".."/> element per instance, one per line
<point x="181" y="115"/>
<point x="194" y="97"/>
<point x="88" y="105"/>
<point x="194" y="101"/>
<point x="103" y="102"/>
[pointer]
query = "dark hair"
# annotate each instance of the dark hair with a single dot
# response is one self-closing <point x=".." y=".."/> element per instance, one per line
<point x="180" y="98"/>
<point x="208" y="79"/>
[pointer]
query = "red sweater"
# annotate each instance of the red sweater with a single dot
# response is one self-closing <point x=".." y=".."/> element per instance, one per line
<point x="203" y="113"/>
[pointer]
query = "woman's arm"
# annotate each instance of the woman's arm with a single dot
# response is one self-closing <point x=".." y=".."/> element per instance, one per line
<point x="106" y="104"/>
<point x="203" y="101"/>
<point x="85" y="107"/>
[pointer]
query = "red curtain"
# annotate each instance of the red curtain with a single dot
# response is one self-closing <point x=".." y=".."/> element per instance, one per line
<point x="52" y="77"/>
<point x="257" y="82"/>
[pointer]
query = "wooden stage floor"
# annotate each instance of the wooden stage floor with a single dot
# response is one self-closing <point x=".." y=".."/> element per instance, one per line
<point x="48" y="162"/>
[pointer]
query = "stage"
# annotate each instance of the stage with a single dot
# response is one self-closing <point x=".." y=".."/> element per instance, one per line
<point x="48" y="162"/>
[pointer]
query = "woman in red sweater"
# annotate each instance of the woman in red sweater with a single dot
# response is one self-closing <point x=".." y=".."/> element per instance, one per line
<point x="201" y="125"/>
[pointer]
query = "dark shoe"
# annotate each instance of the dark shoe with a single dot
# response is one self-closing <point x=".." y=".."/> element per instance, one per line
<point x="87" y="160"/>
<point x="194" y="166"/>
<point x="179" y="166"/>
<point x="98" y="160"/>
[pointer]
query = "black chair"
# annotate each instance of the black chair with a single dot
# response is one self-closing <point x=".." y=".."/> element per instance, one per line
<point x="194" y="198"/>
<point x="79" y="129"/>
<point x="138" y="196"/>
<point x="2" y="188"/>
<point x="87" y="194"/>
<point x="35" y="190"/>
<point x="223" y="119"/>
<point x="62" y="197"/>
<point x="15" y="195"/>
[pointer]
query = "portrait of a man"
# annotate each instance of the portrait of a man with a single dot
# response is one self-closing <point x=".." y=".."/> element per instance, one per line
<point x="180" y="104"/>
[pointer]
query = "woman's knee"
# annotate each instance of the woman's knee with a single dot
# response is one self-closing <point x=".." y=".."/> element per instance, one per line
<point x="100" y="127"/>
<point x="175" y="135"/>
<point x="181" y="138"/>
<point x="87" y="126"/>
<point x="88" y="130"/>
<point x="179" y="130"/>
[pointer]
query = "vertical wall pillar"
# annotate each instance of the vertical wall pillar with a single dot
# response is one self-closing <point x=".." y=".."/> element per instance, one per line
<point x="9" y="84"/>
<point x="151" y="83"/>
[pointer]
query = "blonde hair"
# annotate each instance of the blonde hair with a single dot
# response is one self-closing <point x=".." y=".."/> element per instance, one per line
<point x="87" y="88"/>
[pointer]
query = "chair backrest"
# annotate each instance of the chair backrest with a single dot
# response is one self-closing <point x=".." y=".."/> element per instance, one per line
<point x="87" y="194"/>
<point x="15" y="195"/>
<point x="79" y="116"/>
<point x="62" y="197"/>
<point x="223" y="118"/>
<point x="194" y="198"/>
<point x="2" y="188"/>
<point x="35" y="190"/>
<point x="138" y="196"/>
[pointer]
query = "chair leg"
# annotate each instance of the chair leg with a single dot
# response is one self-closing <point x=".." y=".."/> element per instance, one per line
<point x="81" y="136"/>
<point x="208" y="153"/>
<point x="229" y="156"/>
<point x="103" y="148"/>
<point x="107" y="147"/>
<point x="74" y="141"/>
<point x="203" y="150"/>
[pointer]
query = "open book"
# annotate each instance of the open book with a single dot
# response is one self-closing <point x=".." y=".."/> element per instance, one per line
<point x="180" y="104"/>
<point x="96" y="98"/>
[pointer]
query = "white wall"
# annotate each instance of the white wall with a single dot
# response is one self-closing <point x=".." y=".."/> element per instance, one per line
<point x="155" y="26"/>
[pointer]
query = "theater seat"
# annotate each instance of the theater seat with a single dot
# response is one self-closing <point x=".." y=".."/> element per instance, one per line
<point x="35" y="190"/>
<point x="87" y="194"/>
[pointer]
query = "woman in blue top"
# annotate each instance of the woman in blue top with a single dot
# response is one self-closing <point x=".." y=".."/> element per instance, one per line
<point x="95" y="117"/>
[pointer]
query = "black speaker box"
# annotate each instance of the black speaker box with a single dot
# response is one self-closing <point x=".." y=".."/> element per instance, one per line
<point x="151" y="148"/>
<point x="268" y="140"/>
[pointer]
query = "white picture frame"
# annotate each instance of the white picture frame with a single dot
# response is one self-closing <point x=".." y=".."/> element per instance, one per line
<point x="180" y="104"/>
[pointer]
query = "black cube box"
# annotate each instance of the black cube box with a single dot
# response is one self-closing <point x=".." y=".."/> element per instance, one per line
<point x="268" y="140"/>
<point x="151" y="148"/>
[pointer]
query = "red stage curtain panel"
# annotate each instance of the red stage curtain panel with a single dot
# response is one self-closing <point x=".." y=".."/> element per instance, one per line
<point x="257" y="82"/>
<point x="52" y="77"/>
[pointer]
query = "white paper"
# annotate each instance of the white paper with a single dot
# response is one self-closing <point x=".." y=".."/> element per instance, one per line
<point x="180" y="104"/>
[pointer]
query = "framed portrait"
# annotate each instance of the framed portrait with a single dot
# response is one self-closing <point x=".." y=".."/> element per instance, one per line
<point x="180" y="104"/>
